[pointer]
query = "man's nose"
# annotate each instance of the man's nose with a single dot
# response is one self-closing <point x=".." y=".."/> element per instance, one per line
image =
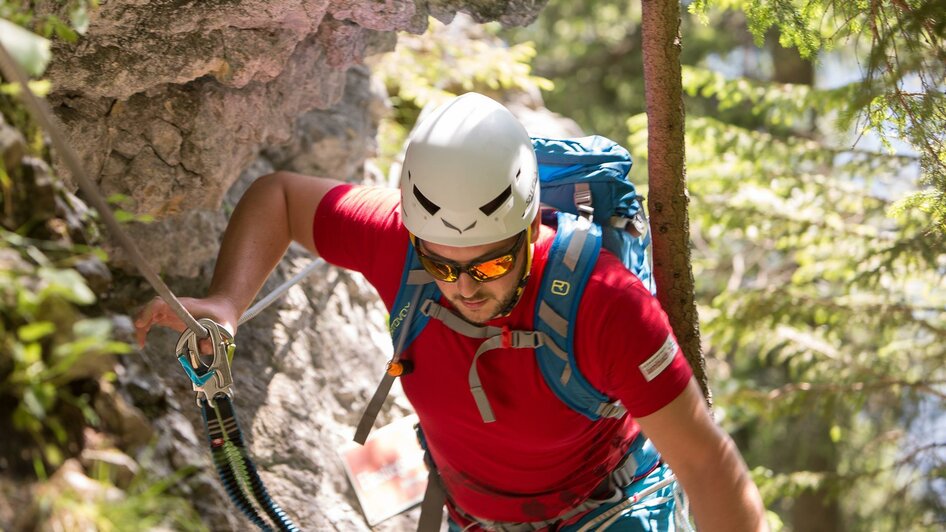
<point x="466" y="285"/>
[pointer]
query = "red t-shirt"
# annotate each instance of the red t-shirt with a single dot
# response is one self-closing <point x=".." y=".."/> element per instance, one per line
<point x="539" y="458"/>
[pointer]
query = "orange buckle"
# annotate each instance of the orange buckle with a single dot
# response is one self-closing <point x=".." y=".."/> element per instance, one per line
<point x="399" y="368"/>
<point x="506" y="337"/>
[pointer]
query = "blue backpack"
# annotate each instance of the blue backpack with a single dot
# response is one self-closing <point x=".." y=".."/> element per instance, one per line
<point x="592" y="204"/>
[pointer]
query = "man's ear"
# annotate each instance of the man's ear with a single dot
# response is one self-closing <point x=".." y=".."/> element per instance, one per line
<point x="536" y="222"/>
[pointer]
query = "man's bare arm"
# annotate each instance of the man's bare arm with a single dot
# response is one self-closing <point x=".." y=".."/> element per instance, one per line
<point x="276" y="210"/>
<point x="707" y="464"/>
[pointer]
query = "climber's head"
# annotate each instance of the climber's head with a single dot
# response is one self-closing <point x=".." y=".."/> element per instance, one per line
<point x="469" y="198"/>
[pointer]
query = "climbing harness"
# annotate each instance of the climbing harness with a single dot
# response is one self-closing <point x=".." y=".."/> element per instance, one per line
<point x="213" y="384"/>
<point x="640" y="484"/>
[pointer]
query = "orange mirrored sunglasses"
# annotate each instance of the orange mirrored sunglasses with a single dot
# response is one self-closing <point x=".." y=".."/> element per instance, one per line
<point x="482" y="270"/>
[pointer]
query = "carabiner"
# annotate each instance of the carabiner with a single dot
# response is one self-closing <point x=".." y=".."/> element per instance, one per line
<point x="215" y="379"/>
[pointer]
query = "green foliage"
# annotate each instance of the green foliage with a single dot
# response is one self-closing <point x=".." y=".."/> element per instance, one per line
<point x="826" y="311"/>
<point x="901" y="93"/>
<point x="51" y="332"/>
<point x="146" y="504"/>
<point x="30" y="50"/>
<point x="63" y="19"/>
<point x="592" y="52"/>
<point x="590" y="49"/>
<point x="447" y="61"/>
<point x="780" y="106"/>
<point x="443" y="62"/>
<point x="116" y="201"/>
<point x="44" y="337"/>
<point x="819" y="257"/>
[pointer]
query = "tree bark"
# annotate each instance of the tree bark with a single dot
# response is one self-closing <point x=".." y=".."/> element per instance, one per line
<point x="663" y="88"/>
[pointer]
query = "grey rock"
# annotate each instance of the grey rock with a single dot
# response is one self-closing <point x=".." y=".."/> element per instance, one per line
<point x="180" y="106"/>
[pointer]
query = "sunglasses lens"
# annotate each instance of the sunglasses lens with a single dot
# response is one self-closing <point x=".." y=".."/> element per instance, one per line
<point x="439" y="270"/>
<point x="493" y="268"/>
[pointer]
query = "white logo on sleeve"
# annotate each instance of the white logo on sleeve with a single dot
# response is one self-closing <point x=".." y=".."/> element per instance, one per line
<point x="659" y="361"/>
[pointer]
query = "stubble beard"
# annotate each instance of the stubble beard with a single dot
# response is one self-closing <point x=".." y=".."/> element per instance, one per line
<point x="489" y="311"/>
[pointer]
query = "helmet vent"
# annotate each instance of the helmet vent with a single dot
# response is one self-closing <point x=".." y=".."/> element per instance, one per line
<point x="428" y="205"/>
<point x="457" y="229"/>
<point x="497" y="202"/>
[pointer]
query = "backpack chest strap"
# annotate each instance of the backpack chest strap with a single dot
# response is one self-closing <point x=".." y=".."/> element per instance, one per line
<point x="496" y="338"/>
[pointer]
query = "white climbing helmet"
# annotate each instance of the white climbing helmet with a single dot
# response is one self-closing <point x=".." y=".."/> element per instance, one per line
<point x="469" y="176"/>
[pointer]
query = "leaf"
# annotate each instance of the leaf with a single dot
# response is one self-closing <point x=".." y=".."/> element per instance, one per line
<point x="124" y="216"/>
<point x="79" y="17"/>
<point x="116" y="199"/>
<point x="34" y="331"/>
<point x="835" y="433"/>
<point x="33" y="404"/>
<point x="98" y="328"/>
<point x="67" y="284"/>
<point x="28" y="49"/>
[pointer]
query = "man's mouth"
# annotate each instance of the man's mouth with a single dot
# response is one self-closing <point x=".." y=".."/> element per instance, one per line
<point x="473" y="304"/>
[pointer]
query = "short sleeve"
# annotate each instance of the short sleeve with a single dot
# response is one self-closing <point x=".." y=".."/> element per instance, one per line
<point x="624" y="343"/>
<point x="359" y="228"/>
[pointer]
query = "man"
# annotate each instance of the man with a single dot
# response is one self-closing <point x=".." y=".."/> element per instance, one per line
<point x="468" y="205"/>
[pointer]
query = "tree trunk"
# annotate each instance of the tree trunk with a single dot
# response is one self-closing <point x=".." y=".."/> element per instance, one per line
<point x="668" y="200"/>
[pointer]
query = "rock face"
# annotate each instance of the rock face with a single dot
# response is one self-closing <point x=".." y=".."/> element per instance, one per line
<point x="178" y="106"/>
<point x="167" y="102"/>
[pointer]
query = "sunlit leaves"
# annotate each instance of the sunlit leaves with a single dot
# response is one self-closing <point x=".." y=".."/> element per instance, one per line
<point x="818" y="251"/>
<point x="30" y="50"/>
<point x="66" y="20"/>
<point x="780" y="104"/>
<point x="445" y="62"/>
<point x="903" y="50"/>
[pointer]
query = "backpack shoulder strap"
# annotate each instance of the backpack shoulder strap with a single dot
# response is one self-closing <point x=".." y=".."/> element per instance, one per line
<point x="416" y="286"/>
<point x="572" y="257"/>
<point x="405" y="323"/>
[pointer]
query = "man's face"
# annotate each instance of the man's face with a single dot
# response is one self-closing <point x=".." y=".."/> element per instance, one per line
<point x="479" y="302"/>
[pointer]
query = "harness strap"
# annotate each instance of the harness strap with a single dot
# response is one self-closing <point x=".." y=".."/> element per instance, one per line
<point x="560" y="326"/>
<point x="612" y="514"/>
<point x="506" y="339"/>
<point x="641" y="460"/>
<point x="576" y="245"/>
<point x="496" y="338"/>
<point x="587" y="505"/>
<point x="432" y="309"/>
<point x="431" y="509"/>
<point x="370" y="415"/>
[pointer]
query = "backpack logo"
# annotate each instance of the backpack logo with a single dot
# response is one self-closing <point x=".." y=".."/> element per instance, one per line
<point x="397" y="319"/>
<point x="560" y="287"/>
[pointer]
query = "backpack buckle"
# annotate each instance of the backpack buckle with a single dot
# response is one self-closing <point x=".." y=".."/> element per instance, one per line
<point x="582" y="195"/>
<point x="639" y="224"/>
<point x="505" y="337"/>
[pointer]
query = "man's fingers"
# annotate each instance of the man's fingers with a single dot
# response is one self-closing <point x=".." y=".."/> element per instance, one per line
<point x="156" y="312"/>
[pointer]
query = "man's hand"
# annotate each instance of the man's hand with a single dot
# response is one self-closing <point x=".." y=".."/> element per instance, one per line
<point x="158" y="312"/>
